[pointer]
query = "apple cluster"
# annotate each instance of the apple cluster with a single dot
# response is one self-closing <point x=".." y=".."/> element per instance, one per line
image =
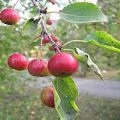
<point x="61" y="64"/>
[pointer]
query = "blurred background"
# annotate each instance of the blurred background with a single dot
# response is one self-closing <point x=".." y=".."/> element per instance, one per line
<point x="20" y="92"/>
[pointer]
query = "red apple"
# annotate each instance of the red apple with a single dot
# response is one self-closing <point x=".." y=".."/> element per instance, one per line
<point x="46" y="39"/>
<point x="49" y="22"/>
<point x="52" y="1"/>
<point x="9" y="16"/>
<point x="47" y="97"/>
<point x="38" y="67"/>
<point x="58" y="44"/>
<point x="62" y="65"/>
<point x="17" y="61"/>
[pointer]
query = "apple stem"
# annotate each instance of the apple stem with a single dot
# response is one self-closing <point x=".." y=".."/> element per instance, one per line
<point x="41" y="50"/>
<point x="15" y="4"/>
<point x="44" y="31"/>
<point x="73" y="41"/>
<point x="53" y="12"/>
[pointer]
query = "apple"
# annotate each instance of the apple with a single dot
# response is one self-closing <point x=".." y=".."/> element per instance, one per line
<point x="9" y="16"/>
<point x="62" y="64"/>
<point x="49" y="21"/>
<point x="46" y="39"/>
<point x="17" y="61"/>
<point x="38" y="67"/>
<point x="47" y="97"/>
<point x="52" y="1"/>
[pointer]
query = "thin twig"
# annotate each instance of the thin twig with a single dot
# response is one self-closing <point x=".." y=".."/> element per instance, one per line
<point x="53" y="12"/>
<point x="15" y="4"/>
<point x="44" y="30"/>
<point x="41" y="49"/>
<point x="34" y="3"/>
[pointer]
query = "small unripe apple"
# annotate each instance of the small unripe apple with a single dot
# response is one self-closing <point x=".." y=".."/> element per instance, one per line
<point x="46" y="39"/>
<point x="47" y="97"/>
<point x="9" y="16"/>
<point x="38" y="67"/>
<point x="52" y="1"/>
<point x="58" y="44"/>
<point x="62" y="65"/>
<point x="17" y="61"/>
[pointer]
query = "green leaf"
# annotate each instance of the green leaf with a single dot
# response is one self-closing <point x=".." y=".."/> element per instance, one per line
<point x="2" y="4"/>
<point x="104" y="40"/>
<point x="30" y="26"/>
<point x="65" y="95"/>
<point x="35" y="43"/>
<point x="82" y="12"/>
<point x="85" y="58"/>
<point x="33" y="11"/>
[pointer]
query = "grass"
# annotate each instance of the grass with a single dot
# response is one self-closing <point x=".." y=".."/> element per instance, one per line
<point x="92" y="108"/>
<point x="21" y="103"/>
<point x="18" y="102"/>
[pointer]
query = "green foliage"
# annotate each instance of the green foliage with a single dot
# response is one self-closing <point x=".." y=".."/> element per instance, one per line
<point x="104" y="40"/>
<point x="86" y="60"/>
<point x="35" y="42"/>
<point x="65" y="89"/>
<point x="82" y="13"/>
<point x="65" y="95"/>
<point x="30" y="26"/>
<point x="1" y="3"/>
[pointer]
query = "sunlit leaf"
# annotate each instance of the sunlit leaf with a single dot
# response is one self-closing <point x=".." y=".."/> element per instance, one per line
<point x="30" y="26"/>
<point x="65" y="95"/>
<point x="82" y="12"/>
<point x="104" y="40"/>
<point x="85" y="58"/>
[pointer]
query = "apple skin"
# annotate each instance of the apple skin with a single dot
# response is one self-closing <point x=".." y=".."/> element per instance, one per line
<point x="46" y="39"/>
<point x="62" y="65"/>
<point x="38" y="67"/>
<point x="49" y="21"/>
<point x="52" y="1"/>
<point x="18" y="61"/>
<point x="47" y="97"/>
<point x="9" y="16"/>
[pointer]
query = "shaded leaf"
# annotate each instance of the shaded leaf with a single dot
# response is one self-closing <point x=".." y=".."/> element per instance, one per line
<point x="30" y="26"/>
<point x="82" y="12"/>
<point x="35" y="43"/>
<point x="65" y="95"/>
<point x="85" y="58"/>
<point x="34" y="11"/>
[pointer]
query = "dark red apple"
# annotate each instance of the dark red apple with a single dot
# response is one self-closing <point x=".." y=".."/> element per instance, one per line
<point x="47" y="97"/>
<point x="58" y="44"/>
<point x="9" y="16"/>
<point x="62" y="65"/>
<point x="46" y="39"/>
<point x="38" y="67"/>
<point x="17" y="61"/>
